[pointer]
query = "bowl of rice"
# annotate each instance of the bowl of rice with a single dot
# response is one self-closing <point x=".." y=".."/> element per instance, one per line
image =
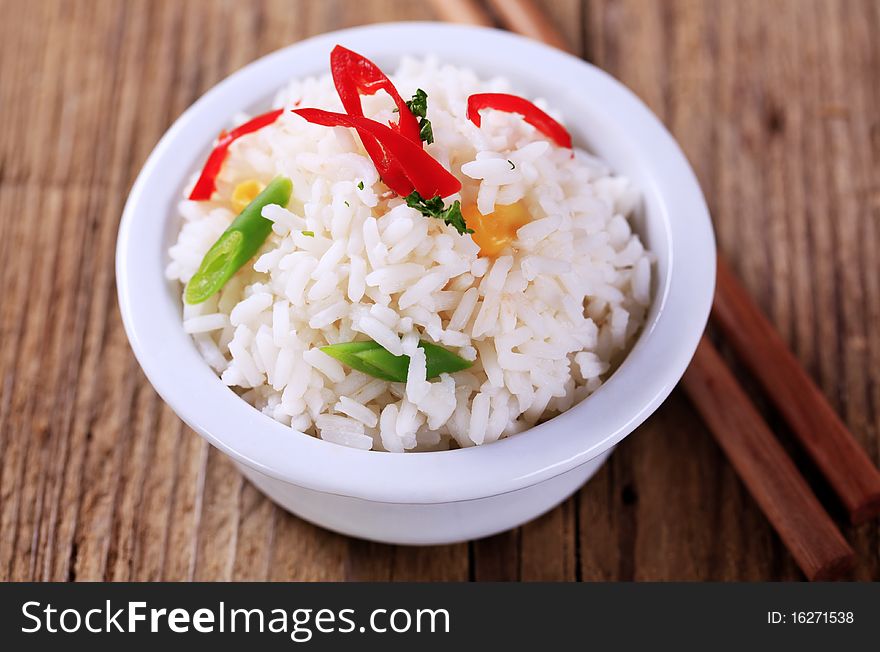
<point x="417" y="280"/>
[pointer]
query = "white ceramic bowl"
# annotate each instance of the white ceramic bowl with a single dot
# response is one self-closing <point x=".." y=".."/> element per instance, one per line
<point x="444" y="496"/>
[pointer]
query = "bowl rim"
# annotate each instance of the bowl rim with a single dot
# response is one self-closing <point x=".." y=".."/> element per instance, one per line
<point x="151" y="314"/>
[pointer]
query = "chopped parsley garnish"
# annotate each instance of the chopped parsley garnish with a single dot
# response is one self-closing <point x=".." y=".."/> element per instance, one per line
<point x="309" y="234"/>
<point x="361" y="185"/>
<point x="419" y="107"/>
<point x="434" y="208"/>
<point x="426" y="132"/>
<point x="419" y="104"/>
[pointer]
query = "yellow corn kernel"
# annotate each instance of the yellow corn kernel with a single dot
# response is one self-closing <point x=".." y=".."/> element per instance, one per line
<point x="494" y="232"/>
<point x="245" y="192"/>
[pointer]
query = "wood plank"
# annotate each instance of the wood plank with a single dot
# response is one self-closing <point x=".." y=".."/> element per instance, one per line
<point x="254" y="536"/>
<point x="497" y="558"/>
<point x="638" y="542"/>
<point x="368" y="561"/>
<point x="430" y="563"/>
<point x="643" y="517"/>
<point x="217" y="538"/>
<point x="546" y="548"/>
<point x="741" y="118"/>
<point x="185" y="514"/>
<point x="158" y="505"/>
<point x="304" y="552"/>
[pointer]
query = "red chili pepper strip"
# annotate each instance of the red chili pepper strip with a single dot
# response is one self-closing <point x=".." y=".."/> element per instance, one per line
<point x="412" y="167"/>
<point x="207" y="183"/>
<point x="388" y="169"/>
<point x="355" y="75"/>
<point x="515" y="104"/>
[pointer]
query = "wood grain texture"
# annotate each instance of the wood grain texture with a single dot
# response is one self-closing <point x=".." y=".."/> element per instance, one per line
<point x="775" y="104"/>
<point x="765" y="468"/>
<point x="820" y="431"/>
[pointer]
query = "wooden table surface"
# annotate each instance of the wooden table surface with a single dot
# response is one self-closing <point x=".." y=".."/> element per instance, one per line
<point x="777" y="105"/>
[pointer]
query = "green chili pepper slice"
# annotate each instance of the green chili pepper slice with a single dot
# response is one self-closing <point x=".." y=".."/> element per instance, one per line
<point x="238" y="244"/>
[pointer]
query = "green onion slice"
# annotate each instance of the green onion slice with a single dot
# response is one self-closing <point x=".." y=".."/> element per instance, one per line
<point x="395" y="366"/>
<point x="372" y="359"/>
<point x="442" y="361"/>
<point x="348" y="353"/>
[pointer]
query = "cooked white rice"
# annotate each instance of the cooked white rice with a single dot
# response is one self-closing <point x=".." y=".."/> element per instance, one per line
<point x="545" y="323"/>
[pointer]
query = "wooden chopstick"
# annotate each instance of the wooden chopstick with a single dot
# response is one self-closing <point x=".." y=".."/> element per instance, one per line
<point x="846" y="466"/>
<point x="785" y="499"/>
<point x="526" y="18"/>
<point x="467" y="12"/>
<point x="765" y="468"/>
